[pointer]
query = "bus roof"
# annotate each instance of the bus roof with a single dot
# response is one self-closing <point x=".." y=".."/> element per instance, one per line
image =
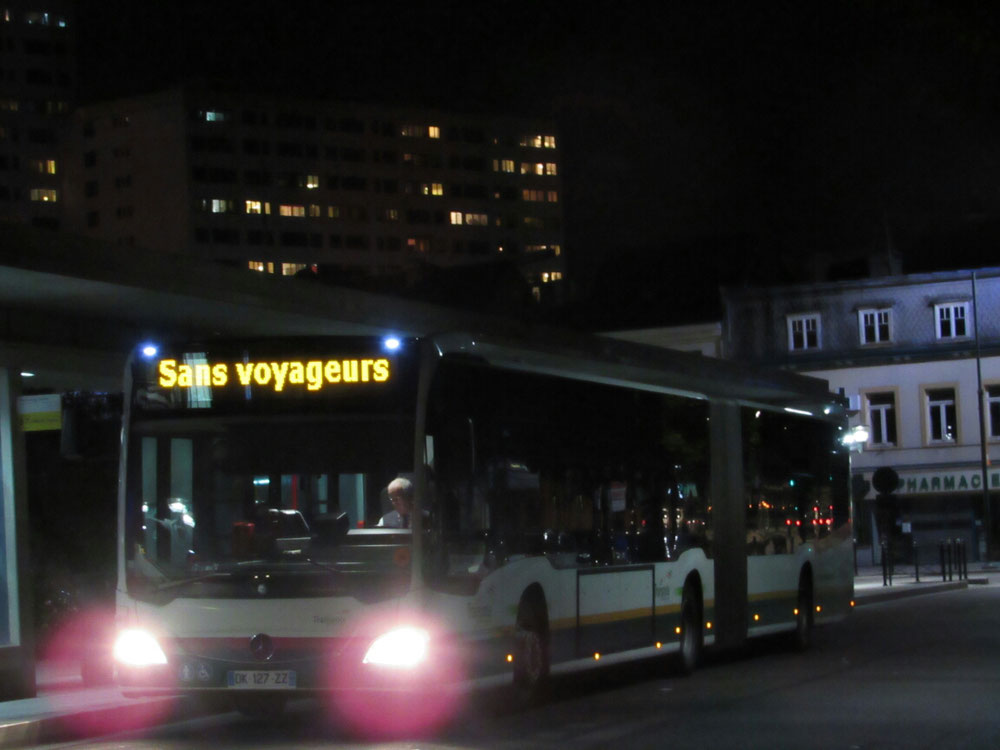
<point x="600" y="359"/>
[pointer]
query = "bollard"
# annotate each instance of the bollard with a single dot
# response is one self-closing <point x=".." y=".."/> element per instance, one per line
<point x="916" y="562"/>
<point x="947" y="554"/>
<point x="961" y="560"/>
<point x="941" y="550"/>
<point x="886" y="580"/>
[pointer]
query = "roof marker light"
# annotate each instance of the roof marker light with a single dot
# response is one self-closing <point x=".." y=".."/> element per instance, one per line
<point x="149" y="350"/>
<point x="391" y="343"/>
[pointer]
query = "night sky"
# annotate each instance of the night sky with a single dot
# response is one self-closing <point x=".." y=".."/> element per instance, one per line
<point x="742" y="137"/>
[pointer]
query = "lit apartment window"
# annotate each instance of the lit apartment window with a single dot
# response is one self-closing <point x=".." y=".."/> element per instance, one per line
<point x="256" y="265"/>
<point x="551" y="169"/>
<point x="413" y="131"/>
<point x="882" y="418"/>
<point x="539" y="141"/>
<point x="993" y="406"/>
<point x="803" y="332"/>
<point x="941" y="417"/>
<point x="42" y="166"/>
<point x="315" y="211"/>
<point x="550" y="276"/>
<point x="552" y="196"/>
<point x="213" y="115"/>
<point x="217" y="205"/>
<point x="432" y="188"/>
<point x="455" y="217"/>
<point x="875" y="326"/>
<point x="333" y="212"/>
<point x="532" y="195"/>
<point x="433" y="131"/>
<point x="312" y="181"/>
<point x="503" y="165"/>
<point x="290" y="269"/>
<point x="528" y="167"/>
<point x="476" y="220"/>
<point x="290" y="210"/>
<point x="950" y="320"/>
<point x="253" y="207"/>
<point x="45" y="195"/>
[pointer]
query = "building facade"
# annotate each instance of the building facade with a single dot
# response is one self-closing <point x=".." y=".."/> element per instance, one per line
<point x="918" y="358"/>
<point x="37" y="93"/>
<point x="282" y="185"/>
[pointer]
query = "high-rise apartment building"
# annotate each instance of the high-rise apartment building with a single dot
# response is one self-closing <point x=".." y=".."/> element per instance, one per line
<point x="37" y="93"/>
<point x="279" y="185"/>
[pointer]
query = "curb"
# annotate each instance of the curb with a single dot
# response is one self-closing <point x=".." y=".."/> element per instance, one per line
<point x="908" y="589"/>
<point x="81" y="723"/>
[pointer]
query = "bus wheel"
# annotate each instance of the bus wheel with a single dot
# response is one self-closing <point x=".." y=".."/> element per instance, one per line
<point x="803" y="614"/>
<point x="531" y="658"/>
<point x="691" y="634"/>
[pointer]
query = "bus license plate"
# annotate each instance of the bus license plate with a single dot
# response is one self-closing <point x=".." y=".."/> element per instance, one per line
<point x="253" y="679"/>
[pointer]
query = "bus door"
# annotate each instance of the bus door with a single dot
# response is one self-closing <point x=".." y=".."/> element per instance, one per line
<point x="614" y="609"/>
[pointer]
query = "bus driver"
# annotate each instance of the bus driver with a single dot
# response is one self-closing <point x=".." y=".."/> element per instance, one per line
<point x="400" y="491"/>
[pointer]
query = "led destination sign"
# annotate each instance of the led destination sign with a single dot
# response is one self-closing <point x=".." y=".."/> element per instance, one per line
<point x="312" y="375"/>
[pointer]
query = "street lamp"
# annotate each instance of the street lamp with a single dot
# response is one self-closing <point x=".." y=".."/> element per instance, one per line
<point x="856" y="437"/>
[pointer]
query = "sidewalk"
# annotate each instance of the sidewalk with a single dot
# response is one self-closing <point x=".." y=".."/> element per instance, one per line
<point x="870" y="582"/>
<point x="64" y="708"/>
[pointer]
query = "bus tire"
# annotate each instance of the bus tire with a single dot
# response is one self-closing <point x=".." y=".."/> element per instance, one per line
<point x="802" y="635"/>
<point x="531" y="656"/>
<point x="692" y="637"/>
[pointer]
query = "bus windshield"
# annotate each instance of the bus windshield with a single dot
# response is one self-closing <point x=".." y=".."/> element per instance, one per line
<point x="252" y="492"/>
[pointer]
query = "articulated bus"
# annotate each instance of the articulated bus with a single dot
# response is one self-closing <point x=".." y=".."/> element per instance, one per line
<point x="575" y="504"/>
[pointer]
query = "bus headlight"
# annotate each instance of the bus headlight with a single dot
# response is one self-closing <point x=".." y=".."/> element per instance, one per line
<point x="404" y="647"/>
<point x="137" y="648"/>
